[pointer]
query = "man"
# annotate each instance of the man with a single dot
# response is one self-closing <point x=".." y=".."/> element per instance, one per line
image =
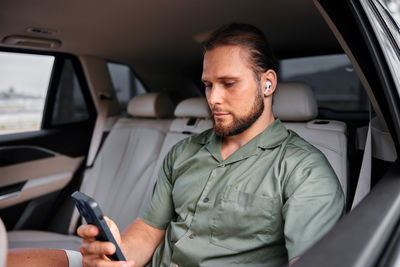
<point x="247" y="192"/>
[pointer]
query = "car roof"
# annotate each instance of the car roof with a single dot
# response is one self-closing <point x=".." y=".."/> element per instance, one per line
<point x="152" y="36"/>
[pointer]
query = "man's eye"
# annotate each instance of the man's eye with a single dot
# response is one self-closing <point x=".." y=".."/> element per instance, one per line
<point x="207" y="86"/>
<point x="229" y="84"/>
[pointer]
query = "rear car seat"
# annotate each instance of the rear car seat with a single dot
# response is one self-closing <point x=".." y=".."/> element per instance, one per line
<point x="192" y="116"/>
<point x="296" y="109"/>
<point x="295" y="105"/>
<point x="120" y="172"/>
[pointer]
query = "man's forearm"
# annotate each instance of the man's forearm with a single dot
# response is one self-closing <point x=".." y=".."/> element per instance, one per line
<point x="36" y="257"/>
<point x="139" y="242"/>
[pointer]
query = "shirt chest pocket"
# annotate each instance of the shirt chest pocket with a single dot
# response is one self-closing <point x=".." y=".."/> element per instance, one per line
<point x="243" y="221"/>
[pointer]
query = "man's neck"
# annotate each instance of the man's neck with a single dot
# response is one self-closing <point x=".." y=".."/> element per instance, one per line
<point x="232" y="143"/>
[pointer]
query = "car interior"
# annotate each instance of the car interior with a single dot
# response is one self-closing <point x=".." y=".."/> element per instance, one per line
<point x="120" y="85"/>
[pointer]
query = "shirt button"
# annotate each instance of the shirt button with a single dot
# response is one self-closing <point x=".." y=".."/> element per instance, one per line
<point x="205" y="200"/>
<point x="222" y="166"/>
<point x="191" y="236"/>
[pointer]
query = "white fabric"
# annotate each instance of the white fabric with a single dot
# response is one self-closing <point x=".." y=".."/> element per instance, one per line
<point x="74" y="258"/>
<point x="196" y="107"/>
<point x="294" y="102"/>
<point x="3" y="244"/>
<point x="151" y="105"/>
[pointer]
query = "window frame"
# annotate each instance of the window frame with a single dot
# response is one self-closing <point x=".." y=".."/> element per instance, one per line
<point x="321" y="106"/>
<point x="379" y="27"/>
<point x="362" y="236"/>
<point x="137" y="76"/>
<point x="48" y="110"/>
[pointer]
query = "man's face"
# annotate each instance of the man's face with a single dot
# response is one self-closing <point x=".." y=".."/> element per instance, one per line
<point x="233" y="92"/>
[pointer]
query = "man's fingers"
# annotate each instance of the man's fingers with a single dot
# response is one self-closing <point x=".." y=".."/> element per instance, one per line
<point x="114" y="229"/>
<point x="98" y="248"/>
<point x="96" y="261"/>
<point x="87" y="231"/>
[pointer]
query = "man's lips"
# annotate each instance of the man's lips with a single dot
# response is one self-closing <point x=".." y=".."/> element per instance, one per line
<point x="220" y="114"/>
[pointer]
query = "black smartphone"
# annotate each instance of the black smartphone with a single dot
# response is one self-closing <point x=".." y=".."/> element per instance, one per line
<point x="90" y="210"/>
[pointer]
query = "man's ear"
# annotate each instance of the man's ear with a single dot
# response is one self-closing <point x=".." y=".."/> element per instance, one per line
<point x="269" y="80"/>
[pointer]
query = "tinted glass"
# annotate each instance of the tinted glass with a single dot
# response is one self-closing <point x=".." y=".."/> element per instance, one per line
<point x="125" y="83"/>
<point x="332" y="78"/>
<point x="70" y="104"/>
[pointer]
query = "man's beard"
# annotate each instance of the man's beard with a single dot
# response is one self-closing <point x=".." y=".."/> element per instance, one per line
<point x="239" y="125"/>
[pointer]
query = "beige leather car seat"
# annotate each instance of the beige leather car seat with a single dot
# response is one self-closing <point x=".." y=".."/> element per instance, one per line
<point x="145" y="142"/>
<point x="120" y="172"/>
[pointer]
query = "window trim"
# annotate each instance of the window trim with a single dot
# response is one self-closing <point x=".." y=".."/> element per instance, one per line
<point x="146" y="88"/>
<point x="332" y="107"/>
<point x="59" y="59"/>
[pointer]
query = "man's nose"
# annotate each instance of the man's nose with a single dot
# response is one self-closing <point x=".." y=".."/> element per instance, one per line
<point x="214" y="96"/>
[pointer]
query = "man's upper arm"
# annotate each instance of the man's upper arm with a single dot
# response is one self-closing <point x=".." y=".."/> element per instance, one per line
<point x="159" y="211"/>
<point x="314" y="203"/>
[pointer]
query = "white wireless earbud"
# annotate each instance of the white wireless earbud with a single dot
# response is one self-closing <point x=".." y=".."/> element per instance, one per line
<point x="267" y="88"/>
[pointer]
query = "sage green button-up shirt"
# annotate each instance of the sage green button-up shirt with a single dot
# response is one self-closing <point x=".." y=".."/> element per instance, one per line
<point x="266" y="203"/>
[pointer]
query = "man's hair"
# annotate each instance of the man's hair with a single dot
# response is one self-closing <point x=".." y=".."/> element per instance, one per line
<point x="247" y="36"/>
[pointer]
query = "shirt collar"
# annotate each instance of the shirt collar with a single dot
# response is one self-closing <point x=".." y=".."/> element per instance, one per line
<point x="271" y="137"/>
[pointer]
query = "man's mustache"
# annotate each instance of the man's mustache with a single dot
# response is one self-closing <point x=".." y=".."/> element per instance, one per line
<point x="218" y="110"/>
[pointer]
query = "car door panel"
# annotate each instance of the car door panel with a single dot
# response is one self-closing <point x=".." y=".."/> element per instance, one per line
<point x="37" y="165"/>
<point x="39" y="177"/>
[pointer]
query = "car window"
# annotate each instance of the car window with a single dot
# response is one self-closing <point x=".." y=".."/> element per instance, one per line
<point x="390" y="10"/>
<point x="125" y="82"/>
<point x="24" y="82"/>
<point x="332" y="78"/>
<point x="70" y="104"/>
<point x="384" y="16"/>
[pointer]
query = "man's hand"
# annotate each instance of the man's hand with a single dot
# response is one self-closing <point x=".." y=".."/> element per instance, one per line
<point x="94" y="252"/>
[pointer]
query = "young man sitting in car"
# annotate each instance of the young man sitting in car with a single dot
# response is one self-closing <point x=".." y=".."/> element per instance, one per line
<point x="247" y="192"/>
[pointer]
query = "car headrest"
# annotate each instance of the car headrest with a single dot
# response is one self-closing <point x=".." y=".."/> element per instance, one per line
<point x="153" y="105"/>
<point x="294" y="102"/>
<point x="196" y="107"/>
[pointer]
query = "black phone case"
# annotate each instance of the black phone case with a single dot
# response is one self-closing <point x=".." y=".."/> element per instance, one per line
<point x="90" y="210"/>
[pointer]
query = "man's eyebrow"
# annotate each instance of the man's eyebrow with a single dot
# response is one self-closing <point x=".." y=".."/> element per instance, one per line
<point x="228" y="78"/>
<point x="222" y="78"/>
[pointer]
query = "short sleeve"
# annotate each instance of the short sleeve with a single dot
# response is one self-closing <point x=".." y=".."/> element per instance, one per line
<point x="159" y="211"/>
<point x="314" y="203"/>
